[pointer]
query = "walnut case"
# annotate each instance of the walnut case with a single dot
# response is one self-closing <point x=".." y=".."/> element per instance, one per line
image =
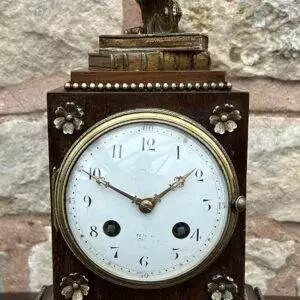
<point x="197" y="105"/>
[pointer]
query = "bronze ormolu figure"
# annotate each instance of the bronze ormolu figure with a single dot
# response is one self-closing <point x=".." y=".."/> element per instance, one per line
<point x="159" y="16"/>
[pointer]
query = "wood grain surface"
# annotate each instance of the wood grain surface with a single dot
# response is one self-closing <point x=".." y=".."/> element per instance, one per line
<point x="196" y="105"/>
<point x="95" y="76"/>
<point x="33" y="296"/>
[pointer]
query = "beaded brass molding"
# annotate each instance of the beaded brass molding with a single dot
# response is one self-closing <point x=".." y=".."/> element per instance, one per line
<point x="150" y="86"/>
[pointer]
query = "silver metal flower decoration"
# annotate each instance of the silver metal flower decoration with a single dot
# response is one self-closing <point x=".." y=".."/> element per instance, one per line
<point x="222" y="288"/>
<point x="74" y="286"/>
<point x="69" y="118"/>
<point x="225" y="118"/>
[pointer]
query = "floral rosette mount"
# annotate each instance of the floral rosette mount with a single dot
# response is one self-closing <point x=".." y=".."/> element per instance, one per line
<point x="225" y="118"/>
<point x="69" y="118"/>
<point x="222" y="288"/>
<point x="74" y="286"/>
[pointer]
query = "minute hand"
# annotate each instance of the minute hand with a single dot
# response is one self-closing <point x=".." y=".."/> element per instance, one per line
<point x="106" y="184"/>
<point x="179" y="182"/>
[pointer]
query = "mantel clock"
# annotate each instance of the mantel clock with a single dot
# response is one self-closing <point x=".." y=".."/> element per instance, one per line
<point x="148" y="155"/>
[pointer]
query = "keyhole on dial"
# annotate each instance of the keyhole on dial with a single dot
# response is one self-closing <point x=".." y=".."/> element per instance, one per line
<point x="111" y="228"/>
<point x="181" y="230"/>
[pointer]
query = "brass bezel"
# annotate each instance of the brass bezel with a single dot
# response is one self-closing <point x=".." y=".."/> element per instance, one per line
<point x="136" y="116"/>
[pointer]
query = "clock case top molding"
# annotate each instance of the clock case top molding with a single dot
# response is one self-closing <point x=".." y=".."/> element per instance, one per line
<point x="104" y="90"/>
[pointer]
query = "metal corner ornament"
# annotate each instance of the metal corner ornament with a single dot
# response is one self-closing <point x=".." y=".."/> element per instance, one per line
<point x="222" y="288"/>
<point x="69" y="118"/>
<point x="225" y="118"/>
<point x="74" y="286"/>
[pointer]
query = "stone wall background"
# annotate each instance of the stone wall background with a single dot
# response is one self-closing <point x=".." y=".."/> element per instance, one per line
<point x="256" y="41"/>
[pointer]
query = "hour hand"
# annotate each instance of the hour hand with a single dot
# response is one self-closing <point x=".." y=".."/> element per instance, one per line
<point x="101" y="181"/>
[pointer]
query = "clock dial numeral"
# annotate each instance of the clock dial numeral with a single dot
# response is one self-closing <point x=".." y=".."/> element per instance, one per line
<point x="196" y="235"/>
<point x="96" y="172"/>
<point x="199" y="175"/>
<point x="94" y="232"/>
<point x="148" y="144"/>
<point x="175" y="252"/>
<point x="87" y="199"/>
<point x="117" y="151"/>
<point x="207" y="205"/>
<point x="178" y="152"/>
<point x="148" y="127"/>
<point x="116" y="255"/>
<point x="223" y="205"/>
<point x="144" y="261"/>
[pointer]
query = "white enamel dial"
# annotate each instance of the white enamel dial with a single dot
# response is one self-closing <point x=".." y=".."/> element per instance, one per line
<point x="142" y="160"/>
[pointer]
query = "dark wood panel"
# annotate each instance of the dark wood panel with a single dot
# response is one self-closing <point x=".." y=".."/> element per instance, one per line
<point x="196" y="105"/>
<point x="128" y="77"/>
<point x="33" y="296"/>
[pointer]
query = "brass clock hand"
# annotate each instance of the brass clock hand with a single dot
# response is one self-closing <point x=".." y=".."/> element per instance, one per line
<point x="106" y="184"/>
<point x="179" y="182"/>
<point x="148" y="204"/>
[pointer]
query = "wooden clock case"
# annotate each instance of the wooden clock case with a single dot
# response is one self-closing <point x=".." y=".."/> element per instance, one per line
<point x="197" y="105"/>
<point x="146" y="68"/>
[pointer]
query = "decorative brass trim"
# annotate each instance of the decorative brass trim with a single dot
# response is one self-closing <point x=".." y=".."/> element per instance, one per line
<point x="159" y="60"/>
<point x="136" y="116"/>
<point x="222" y="288"/>
<point x="69" y="117"/>
<point x="224" y="118"/>
<point x="53" y="178"/>
<point x="112" y="62"/>
<point x="240" y="204"/>
<point x="144" y="86"/>
<point x="125" y="61"/>
<point x="74" y="286"/>
<point x="144" y="61"/>
<point x="157" y="41"/>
